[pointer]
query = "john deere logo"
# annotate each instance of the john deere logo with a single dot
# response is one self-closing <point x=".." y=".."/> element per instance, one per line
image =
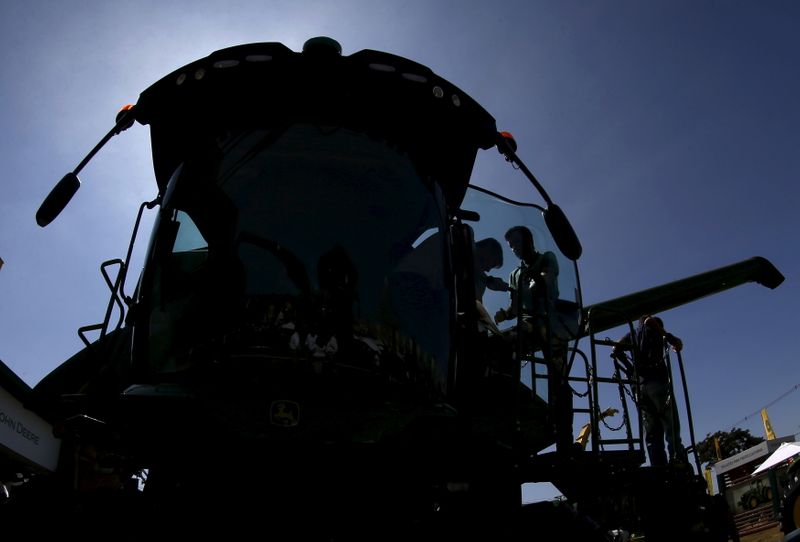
<point x="284" y="413"/>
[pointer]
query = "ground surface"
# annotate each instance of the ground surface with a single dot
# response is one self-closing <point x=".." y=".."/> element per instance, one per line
<point x="773" y="534"/>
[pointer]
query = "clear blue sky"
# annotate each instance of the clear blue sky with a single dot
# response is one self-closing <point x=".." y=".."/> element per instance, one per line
<point x="669" y="131"/>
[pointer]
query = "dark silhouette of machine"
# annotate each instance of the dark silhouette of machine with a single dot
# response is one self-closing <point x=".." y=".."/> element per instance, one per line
<point x="303" y="356"/>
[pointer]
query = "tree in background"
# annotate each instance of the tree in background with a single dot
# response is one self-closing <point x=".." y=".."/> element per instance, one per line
<point x="730" y="443"/>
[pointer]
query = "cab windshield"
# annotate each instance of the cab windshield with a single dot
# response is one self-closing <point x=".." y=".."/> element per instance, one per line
<point x="306" y="243"/>
<point x="498" y="215"/>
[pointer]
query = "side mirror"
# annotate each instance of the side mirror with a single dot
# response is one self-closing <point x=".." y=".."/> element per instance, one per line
<point x="57" y="199"/>
<point x="554" y="217"/>
<point x="562" y="232"/>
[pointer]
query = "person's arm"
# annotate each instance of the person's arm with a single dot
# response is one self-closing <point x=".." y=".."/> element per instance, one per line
<point x="619" y="349"/>
<point x="675" y="342"/>
<point x="618" y="353"/>
<point x="496" y="284"/>
<point x="508" y="313"/>
<point x="549" y="274"/>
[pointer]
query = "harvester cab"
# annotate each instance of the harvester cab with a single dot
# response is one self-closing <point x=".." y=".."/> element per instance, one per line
<point x="310" y="328"/>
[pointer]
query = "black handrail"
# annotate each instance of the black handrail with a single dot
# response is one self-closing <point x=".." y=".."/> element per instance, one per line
<point x="688" y="411"/>
<point x="114" y="286"/>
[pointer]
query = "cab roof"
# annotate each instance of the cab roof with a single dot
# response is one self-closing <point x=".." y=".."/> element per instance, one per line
<point x="267" y="84"/>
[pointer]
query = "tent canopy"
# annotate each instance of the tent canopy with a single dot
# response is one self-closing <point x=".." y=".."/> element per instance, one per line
<point x="786" y="450"/>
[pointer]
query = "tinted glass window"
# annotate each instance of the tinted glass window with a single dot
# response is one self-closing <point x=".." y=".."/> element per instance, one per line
<point x="305" y="242"/>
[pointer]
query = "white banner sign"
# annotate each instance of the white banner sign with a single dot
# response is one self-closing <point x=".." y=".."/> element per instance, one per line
<point x="26" y="434"/>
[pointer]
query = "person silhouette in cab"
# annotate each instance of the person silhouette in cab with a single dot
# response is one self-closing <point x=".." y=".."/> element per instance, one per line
<point x="533" y="286"/>
<point x="533" y="289"/>
<point x="488" y="256"/>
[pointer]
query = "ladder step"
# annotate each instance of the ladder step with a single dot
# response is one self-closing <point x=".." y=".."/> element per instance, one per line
<point x="619" y="441"/>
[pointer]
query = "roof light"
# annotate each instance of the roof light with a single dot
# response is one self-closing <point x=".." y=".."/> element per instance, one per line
<point x="510" y="140"/>
<point x="382" y="68"/>
<point x="226" y="63"/>
<point x="414" y="77"/>
<point x="124" y="110"/>
<point x="258" y="58"/>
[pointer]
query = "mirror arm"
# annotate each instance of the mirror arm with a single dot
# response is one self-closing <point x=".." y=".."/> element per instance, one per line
<point x="557" y="222"/>
<point x="62" y="192"/>
<point x="125" y="119"/>
<point x="506" y="149"/>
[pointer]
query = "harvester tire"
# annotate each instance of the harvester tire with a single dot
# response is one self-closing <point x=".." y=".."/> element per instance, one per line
<point x="790" y="505"/>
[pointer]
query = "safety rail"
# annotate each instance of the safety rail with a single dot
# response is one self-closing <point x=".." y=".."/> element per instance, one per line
<point x="115" y="299"/>
<point x="117" y="286"/>
<point x="593" y="380"/>
<point x="627" y="387"/>
<point x="593" y="383"/>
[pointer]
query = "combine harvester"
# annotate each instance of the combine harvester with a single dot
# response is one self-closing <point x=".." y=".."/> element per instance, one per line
<point x="303" y="356"/>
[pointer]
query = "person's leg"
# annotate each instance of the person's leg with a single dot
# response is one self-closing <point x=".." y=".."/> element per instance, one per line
<point x="653" y="428"/>
<point x="559" y="392"/>
<point x="672" y="430"/>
